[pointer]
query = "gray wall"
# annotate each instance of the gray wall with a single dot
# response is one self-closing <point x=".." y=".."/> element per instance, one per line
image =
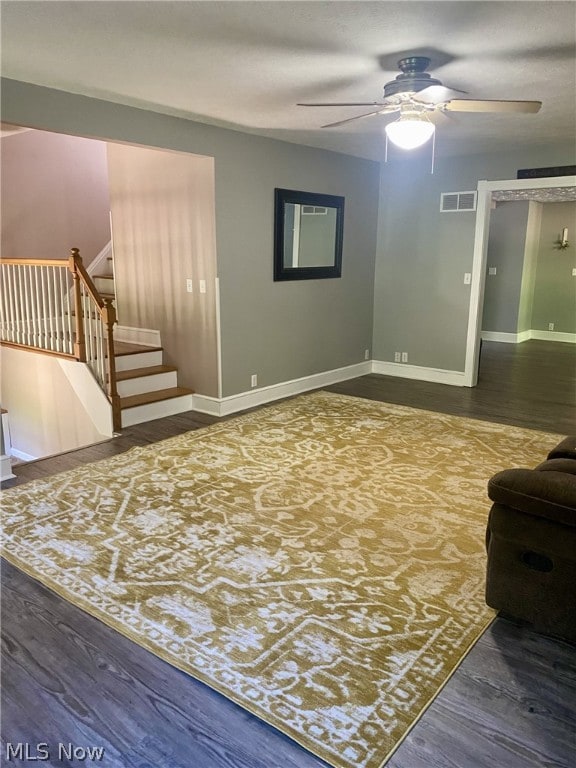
<point x="555" y="287"/>
<point x="280" y="331"/>
<point x="420" y="301"/>
<point x="285" y="330"/>
<point x="534" y="285"/>
<point x="506" y="246"/>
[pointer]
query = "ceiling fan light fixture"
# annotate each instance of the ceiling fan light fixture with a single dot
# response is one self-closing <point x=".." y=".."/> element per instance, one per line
<point x="410" y="132"/>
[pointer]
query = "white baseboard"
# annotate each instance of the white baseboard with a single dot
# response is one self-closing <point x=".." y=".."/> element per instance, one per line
<point x="418" y="372"/>
<point x="233" y="403"/>
<point x="147" y="337"/>
<point x="506" y="338"/>
<point x="22" y="455"/>
<point x="567" y="338"/>
<point x="518" y="338"/>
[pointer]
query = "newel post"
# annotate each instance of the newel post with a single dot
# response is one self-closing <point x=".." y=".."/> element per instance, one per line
<point x="80" y="341"/>
<point x="108" y="314"/>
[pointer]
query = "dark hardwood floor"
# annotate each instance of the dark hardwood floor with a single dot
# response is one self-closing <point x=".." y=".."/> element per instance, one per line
<point x="67" y="678"/>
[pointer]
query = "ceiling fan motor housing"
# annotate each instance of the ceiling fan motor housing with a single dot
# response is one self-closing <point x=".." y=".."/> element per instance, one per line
<point x="413" y="77"/>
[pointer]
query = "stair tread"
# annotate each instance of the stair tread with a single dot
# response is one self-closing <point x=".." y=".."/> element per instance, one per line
<point x="153" y="397"/>
<point x="103" y="277"/>
<point x="108" y="296"/>
<point x="127" y="348"/>
<point x="136" y="373"/>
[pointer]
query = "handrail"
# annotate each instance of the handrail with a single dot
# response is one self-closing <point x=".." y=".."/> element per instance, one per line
<point x="76" y="265"/>
<point x="35" y="314"/>
<point x="36" y="262"/>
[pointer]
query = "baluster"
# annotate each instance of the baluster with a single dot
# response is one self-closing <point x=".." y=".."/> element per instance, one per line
<point x="14" y="285"/>
<point x="4" y="308"/>
<point x="21" y="310"/>
<point x="87" y="314"/>
<point x="100" y="352"/>
<point x="49" y="291"/>
<point x="62" y="303"/>
<point x="35" y="309"/>
<point x="26" y="289"/>
<point x="45" y="334"/>
<point x="70" y="339"/>
<point x="12" y="334"/>
<point x="55" y="309"/>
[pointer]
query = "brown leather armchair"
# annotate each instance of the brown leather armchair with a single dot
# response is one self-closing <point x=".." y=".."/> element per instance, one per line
<point x="531" y="543"/>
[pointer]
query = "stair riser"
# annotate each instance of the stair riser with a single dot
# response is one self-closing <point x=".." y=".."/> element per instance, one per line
<point x="144" y="384"/>
<point x="139" y="360"/>
<point x="158" y="410"/>
<point x="104" y="285"/>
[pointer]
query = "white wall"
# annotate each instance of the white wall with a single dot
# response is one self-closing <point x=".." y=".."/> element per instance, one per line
<point x="45" y="414"/>
<point x="164" y="234"/>
<point x="54" y="196"/>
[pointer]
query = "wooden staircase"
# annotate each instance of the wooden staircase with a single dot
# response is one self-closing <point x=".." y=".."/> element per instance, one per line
<point x="148" y="389"/>
<point x="104" y="281"/>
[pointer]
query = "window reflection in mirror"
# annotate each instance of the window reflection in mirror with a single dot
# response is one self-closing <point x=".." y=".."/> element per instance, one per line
<point x="308" y="235"/>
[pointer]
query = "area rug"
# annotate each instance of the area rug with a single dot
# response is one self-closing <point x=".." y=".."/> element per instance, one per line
<point x="320" y="562"/>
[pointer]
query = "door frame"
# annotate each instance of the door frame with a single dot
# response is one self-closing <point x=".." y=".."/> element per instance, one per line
<point x="483" y="209"/>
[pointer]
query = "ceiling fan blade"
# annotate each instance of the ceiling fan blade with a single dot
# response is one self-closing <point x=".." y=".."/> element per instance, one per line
<point x="439" y="117"/>
<point x="436" y="94"/>
<point x="492" y="105"/>
<point x="357" y="117"/>
<point x="346" y="104"/>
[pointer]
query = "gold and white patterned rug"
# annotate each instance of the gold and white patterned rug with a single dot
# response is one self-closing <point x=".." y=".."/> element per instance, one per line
<point x="320" y="561"/>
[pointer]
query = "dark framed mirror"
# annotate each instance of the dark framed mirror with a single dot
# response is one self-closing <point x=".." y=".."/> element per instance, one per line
<point x="308" y="231"/>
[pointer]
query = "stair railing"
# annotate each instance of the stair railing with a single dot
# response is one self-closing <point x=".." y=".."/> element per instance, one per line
<point x="37" y="313"/>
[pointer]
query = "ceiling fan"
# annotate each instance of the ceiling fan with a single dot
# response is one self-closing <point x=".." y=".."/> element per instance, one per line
<point x="418" y="96"/>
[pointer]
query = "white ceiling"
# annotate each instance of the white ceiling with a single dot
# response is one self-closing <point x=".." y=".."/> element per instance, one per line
<point x="245" y="65"/>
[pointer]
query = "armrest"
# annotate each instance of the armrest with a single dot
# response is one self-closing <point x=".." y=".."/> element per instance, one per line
<point x="550" y="494"/>
<point x="566" y="449"/>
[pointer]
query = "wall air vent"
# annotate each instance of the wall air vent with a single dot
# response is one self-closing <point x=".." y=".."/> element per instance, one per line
<point x="451" y="202"/>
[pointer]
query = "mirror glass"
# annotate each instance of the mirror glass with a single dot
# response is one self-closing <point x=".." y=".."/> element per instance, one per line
<point x="308" y="231"/>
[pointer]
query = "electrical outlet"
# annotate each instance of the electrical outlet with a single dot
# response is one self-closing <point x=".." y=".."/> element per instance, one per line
<point x="366" y="354"/>
<point x="550" y="326"/>
<point x="467" y="278"/>
<point x="254" y="380"/>
<point x="404" y="357"/>
<point x="202" y="286"/>
<point x="189" y="286"/>
<point x="397" y="357"/>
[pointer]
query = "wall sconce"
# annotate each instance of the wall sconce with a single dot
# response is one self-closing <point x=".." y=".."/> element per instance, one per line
<point x="562" y="241"/>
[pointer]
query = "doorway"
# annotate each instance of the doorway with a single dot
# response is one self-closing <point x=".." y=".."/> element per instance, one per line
<point x="527" y="189"/>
